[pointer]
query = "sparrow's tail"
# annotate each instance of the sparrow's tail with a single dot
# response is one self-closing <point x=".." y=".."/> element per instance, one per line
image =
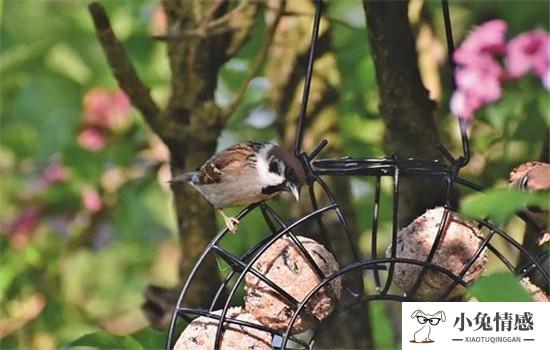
<point x="191" y="177"/>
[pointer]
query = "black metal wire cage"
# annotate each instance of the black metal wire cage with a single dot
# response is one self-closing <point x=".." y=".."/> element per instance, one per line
<point x="379" y="269"/>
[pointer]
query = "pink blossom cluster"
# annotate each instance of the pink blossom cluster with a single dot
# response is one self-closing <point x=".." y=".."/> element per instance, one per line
<point x="34" y="211"/>
<point x="23" y="226"/>
<point x="480" y="74"/>
<point x="105" y="111"/>
<point x="91" y="200"/>
<point x="54" y="173"/>
<point x="25" y="223"/>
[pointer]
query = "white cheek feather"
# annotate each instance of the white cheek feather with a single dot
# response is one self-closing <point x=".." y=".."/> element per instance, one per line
<point x="265" y="177"/>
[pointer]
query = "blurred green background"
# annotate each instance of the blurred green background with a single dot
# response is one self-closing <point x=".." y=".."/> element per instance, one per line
<point x="85" y="213"/>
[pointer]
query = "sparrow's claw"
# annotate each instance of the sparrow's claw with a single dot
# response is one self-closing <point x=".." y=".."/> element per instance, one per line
<point x="543" y="238"/>
<point x="230" y="222"/>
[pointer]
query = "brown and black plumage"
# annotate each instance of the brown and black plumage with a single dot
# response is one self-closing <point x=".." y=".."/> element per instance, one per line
<point x="246" y="173"/>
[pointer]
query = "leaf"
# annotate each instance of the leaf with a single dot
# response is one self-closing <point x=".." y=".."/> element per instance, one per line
<point x="544" y="107"/>
<point x="503" y="286"/>
<point x="150" y="338"/>
<point x="500" y="113"/>
<point x="14" y="57"/>
<point x="500" y="203"/>
<point x="83" y="164"/>
<point x="64" y="59"/>
<point x="104" y="340"/>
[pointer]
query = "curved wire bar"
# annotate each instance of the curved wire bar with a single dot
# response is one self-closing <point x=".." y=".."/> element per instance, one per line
<point x="360" y="266"/>
<point x="465" y="158"/>
<point x="442" y="227"/>
<point x="193" y="272"/>
<point x="309" y="259"/>
<point x="519" y="247"/>
<point x="209" y="314"/>
<point x="364" y="299"/>
<point x="309" y="74"/>
<point x="248" y="266"/>
<point x="528" y="267"/>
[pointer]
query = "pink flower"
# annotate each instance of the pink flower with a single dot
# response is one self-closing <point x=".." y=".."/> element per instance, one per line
<point x="464" y="105"/>
<point x="26" y="222"/>
<point x="478" y="84"/>
<point x="54" y="173"/>
<point x="91" y="200"/>
<point x="546" y="80"/>
<point x="479" y="75"/>
<point x="488" y="38"/>
<point x="107" y="109"/>
<point x="529" y="51"/>
<point x="481" y="78"/>
<point x="92" y="139"/>
<point x="23" y="226"/>
<point x="96" y="106"/>
<point x="119" y="116"/>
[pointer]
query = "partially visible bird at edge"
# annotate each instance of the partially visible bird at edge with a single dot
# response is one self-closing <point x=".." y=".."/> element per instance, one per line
<point x="534" y="176"/>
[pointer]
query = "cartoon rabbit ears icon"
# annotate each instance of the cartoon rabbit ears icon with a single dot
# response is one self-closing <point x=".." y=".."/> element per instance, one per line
<point x="440" y="315"/>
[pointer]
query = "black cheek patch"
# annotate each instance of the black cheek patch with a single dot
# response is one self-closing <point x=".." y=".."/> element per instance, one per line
<point x="269" y="190"/>
<point x="274" y="167"/>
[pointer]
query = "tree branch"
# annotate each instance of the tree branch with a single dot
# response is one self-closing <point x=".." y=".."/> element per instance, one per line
<point x="405" y="106"/>
<point x="212" y="27"/>
<point x="123" y="70"/>
<point x="257" y="64"/>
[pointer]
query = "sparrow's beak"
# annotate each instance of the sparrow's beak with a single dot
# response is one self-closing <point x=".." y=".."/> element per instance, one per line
<point x="295" y="190"/>
<point x="178" y="178"/>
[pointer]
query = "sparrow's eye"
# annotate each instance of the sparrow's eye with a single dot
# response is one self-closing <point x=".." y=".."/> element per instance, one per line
<point x="274" y="167"/>
<point x="290" y="175"/>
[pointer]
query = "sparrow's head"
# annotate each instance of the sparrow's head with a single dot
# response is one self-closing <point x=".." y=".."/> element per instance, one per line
<point x="279" y="170"/>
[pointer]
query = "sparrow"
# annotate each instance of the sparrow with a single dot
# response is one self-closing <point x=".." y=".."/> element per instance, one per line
<point x="246" y="173"/>
<point x="534" y="176"/>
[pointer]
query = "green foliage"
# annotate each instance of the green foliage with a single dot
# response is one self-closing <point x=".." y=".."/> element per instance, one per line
<point x="501" y="203"/>
<point x="103" y="340"/>
<point x="150" y="338"/>
<point x="502" y="286"/>
<point x="382" y="329"/>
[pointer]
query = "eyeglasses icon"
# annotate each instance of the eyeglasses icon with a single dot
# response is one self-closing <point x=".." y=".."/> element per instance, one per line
<point x="433" y="321"/>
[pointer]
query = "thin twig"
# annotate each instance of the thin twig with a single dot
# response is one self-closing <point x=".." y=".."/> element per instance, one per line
<point x="257" y="64"/>
<point x="306" y="14"/>
<point x="223" y="20"/>
<point x="194" y="33"/>
<point x="123" y="70"/>
<point x="211" y="28"/>
<point x="214" y="9"/>
<point x="333" y="20"/>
